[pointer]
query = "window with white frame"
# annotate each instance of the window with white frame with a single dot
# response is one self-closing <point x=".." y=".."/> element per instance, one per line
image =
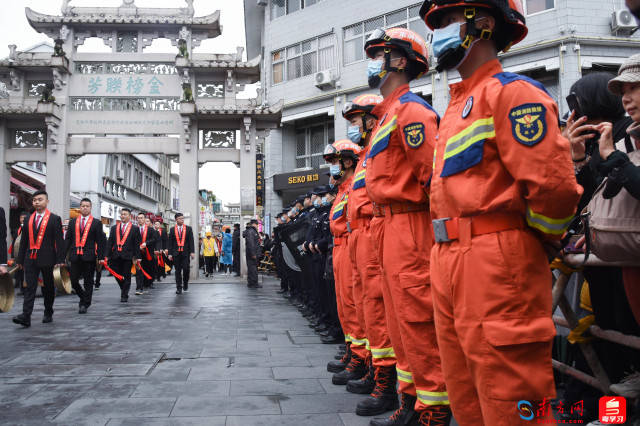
<point x="310" y="142"/>
<point x="355" y="35"/>
<point x="536" y="6"/>
<point x="284" y="7"/>
<point x="302" y="59"/>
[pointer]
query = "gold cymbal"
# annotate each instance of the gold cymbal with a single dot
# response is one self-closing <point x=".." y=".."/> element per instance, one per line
<point x="61" y="279"/>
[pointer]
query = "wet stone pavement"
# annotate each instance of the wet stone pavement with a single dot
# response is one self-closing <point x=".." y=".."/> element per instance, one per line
<point x="219" y="355"/>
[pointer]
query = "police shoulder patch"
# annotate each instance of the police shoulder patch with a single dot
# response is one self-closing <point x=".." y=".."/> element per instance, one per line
<point x="528" y="123"/>
<point x="414" y="134"/>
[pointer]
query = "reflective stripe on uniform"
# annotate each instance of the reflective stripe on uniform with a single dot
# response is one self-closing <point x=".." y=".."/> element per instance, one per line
<point x="381" y="138"/>
<point x="347" y="338"/>
<point x="383" y="353"/>
<point x="404" y="376"/>
<point x="358" y="342"/>
<point x="359" y="179"/>
<point x="339" y="208"/>
<point x="546" y="224"/>
<point x="464" y="150"/>
<point x="432" y="398"/>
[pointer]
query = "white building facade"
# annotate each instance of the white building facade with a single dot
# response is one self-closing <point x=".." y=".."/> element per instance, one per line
<point x="320" y="65"/>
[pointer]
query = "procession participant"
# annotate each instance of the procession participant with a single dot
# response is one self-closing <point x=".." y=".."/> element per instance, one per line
<point x="123" y="249"/>
<point x="85" y="242"/>
<point x="398" y="170"/>
<point x="252" y="252"/>
<point x="208" y="251"/>
<point x="343" y="156"/>
<point x="161" y="249"/>
<point x="500" y="142"/>
<point x="154" y="258"/>
<point x="18" y="276"/>
<point x="147" y="238"/>
<point x="181" y="251"/>
<point x="367" y="271"/>
<point x="41" y="249"/>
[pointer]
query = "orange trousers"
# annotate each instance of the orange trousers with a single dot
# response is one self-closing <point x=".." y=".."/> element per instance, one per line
<point x="403" y="244"/>
<point x="492" y="299"/>
<point x="343" y="275"/>
<point x="367" y="289"/>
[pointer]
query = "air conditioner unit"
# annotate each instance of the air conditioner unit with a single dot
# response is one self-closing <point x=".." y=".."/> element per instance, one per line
<point x="622" y="21"/>
<point x="325" y="80"/>
<point x="120" y="174"/>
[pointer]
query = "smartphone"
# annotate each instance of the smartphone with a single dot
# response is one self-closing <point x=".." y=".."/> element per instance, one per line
<point x="571" y="247"/>
<point x="574" y="105"/>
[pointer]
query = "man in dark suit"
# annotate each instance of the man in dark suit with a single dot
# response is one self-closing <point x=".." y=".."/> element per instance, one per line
<point x="3" y="242"/>
<point x="161" y="248"/>
<point x="235" y="248"/>
<point x="123" y="248"/>
<point x="252" y="251"/>
<point x="181" y="250"/>
<point x="41" y="249"/>
<point x="147" y="247"/>
<point x="85" y="242"/>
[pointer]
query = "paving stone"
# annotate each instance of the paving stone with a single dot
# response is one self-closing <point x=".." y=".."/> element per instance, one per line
<point x="194" y="388"/>
<point x="229" y="406"/>
<point x="229" y="373"/>
<point x="291" y="420"/>
<point x="331" y="403"/>
<point x="276" y="387"/>
<point x="173" y="421"/>
<point x="300" y="372"/>
<point x="103" y="409"/>
<point x="329" y="387"/>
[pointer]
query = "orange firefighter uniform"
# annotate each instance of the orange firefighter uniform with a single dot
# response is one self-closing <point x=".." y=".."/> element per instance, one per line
<point x="502" y="182"/>
<point x="343" y="273"/>
<point x="367" y="273"/>
<point x="398" y="167"/>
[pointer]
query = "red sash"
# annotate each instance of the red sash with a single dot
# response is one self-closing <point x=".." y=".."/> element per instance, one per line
<point x="120" y="241"/>
<point x="80" y="243"/>
<point x="180" y="240"/>
<point x="147" y="276"/>
<point x="34" y="246"/>
<point x="114" y="273"/>
<point x="144" y="240"/>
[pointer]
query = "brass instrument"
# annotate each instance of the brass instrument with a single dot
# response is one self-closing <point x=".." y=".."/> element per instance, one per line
<point x="61" y="279"/>
<point x="7" y="292"/>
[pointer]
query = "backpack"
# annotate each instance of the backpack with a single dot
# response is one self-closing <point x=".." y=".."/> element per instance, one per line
<point x="614" y="224"/>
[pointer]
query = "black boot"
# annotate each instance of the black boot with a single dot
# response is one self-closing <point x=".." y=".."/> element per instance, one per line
<point x="434" y="415"/>
<point x="355" y="370"/>
<point x="384" y="397"/>
<point x="366" y="384"/>
<point x="338" y="366"/>
<point x="402" y="416"/>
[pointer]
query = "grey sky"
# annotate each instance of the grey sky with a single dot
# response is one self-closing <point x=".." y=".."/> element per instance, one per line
<point x="221" y="178"/>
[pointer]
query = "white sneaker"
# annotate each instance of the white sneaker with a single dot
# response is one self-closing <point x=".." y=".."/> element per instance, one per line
<point x="629" y="387"/>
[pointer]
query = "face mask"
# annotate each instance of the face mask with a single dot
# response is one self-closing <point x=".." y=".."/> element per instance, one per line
<point x="334" y="169"/>
<point x="353" y="133"/>
<point x="317" y="203"/>
<point x="332" y="185"/>
<point x="375" y="75"/>
<point x="446" y="38"/>
<point x="325" y="202"/>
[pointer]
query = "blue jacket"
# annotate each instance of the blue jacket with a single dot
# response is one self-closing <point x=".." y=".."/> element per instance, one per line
<point x="227" y="247"/>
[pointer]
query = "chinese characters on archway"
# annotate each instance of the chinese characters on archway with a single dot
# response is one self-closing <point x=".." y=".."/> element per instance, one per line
<point x="131" y="85"/>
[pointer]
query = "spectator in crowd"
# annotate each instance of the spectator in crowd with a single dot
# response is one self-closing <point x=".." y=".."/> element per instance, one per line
<point x="201" y="256"/>
<point x="209" y="254"/>
<point x="598" y="119"/>
<point x="227" y="249"/>
<point x="236" y="249"/>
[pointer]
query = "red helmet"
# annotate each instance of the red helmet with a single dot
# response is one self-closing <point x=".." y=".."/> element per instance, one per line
<point x="406" y="41"/>
<point x="511" y="11"/>
<point x="363" y="104"/>
<point x="347" y="149"/>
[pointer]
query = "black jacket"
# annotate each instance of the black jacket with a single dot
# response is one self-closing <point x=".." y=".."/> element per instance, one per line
<point x="152" y="241"/>
<point x="236" y="241"/>
<point x="94" y="246"/>
<point x="252" y="243"/>
<point x="52" y="249"/>
<point x="188" y="242"/>
<point x="130" y="248"/>
<point x="161" y="243"/>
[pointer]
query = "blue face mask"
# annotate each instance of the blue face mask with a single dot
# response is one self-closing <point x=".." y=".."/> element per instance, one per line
<point x="317" y="203"/>
<point x="334" y="169"/>
<point x="446" y="38"/>
<point x="353" y="133"/>
<point x="325" y="202"/>
<point x="375" y="75"/>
